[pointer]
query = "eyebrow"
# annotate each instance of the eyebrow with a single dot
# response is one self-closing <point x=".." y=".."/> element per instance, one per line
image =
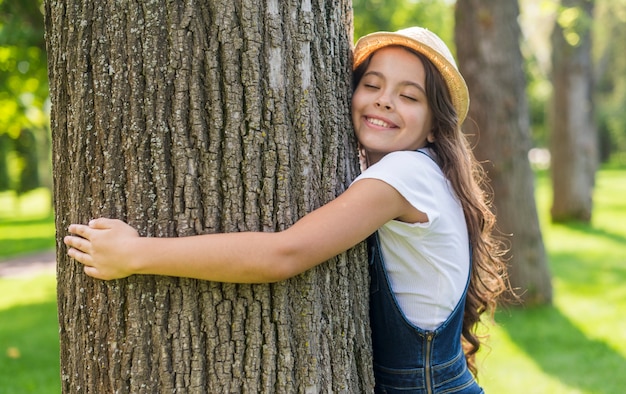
<point x="409" y="83"/>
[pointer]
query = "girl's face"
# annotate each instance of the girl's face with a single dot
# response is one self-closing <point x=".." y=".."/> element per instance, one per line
<point x="389" y="107"/>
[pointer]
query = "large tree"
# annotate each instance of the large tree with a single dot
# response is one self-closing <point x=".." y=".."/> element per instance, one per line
<point x="574" y="137"/>
<point x="186" y="117"/>
<point x="487" y="39"/>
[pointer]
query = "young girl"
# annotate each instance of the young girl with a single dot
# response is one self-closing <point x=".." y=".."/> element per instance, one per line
<point x="435" y="267"/>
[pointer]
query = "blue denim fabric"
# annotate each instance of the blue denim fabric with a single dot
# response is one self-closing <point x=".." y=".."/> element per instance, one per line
<point x="408" y="359"/>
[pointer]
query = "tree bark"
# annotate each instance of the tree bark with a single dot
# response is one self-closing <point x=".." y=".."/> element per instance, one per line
<point x="487" y="38"/>
<point x="183" y="118"/>
<point x="574" y="139"/>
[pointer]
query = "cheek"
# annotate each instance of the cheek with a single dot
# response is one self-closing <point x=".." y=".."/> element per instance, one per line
<point x="359" y="97"/>
<point x="354" y="107"/>
<point x="421" y="119"/>
<point x="355" y="100"/>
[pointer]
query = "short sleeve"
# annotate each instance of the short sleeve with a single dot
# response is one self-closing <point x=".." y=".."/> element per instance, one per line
<point x="414" y="175"/>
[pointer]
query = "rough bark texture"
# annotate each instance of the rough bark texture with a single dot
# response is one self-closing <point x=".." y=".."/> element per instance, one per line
<point x="186" y="117"/>
<point x="574" y="136"/>
<point x="487" y="37"/>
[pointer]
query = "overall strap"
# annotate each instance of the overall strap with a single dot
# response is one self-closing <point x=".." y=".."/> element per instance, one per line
<point x="424" y="151"/>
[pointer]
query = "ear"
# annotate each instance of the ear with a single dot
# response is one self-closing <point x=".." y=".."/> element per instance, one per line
<point x="363" y="160"/>
<point x="430" y="137"/>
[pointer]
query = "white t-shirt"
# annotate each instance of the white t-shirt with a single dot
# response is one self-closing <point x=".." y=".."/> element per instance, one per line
<point x="427" y="263"/>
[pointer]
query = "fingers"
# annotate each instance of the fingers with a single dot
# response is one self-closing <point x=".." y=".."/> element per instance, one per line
<point x="84" y="231"/>
<point x="102" y="223"/>
<point x="79" y="229"/>
<point x="80" y="256"/>
<point x="99" y="224"/>
<point x="79" y="251"/>
<point x="79" y="243"/>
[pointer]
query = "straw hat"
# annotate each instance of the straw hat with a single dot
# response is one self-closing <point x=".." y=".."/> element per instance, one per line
<point x="430" y="45"/>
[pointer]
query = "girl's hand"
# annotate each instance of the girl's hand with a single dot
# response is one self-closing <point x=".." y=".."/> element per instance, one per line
<point x="105" y="247"/>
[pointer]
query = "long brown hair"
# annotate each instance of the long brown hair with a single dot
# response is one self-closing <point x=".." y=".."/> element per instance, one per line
<point x="458" y="164"/>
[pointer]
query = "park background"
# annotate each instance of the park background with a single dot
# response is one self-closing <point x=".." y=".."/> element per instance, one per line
<point x="576" y="344"/>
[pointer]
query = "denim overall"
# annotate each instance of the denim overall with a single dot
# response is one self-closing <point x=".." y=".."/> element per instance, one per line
<point x="408" y="359"/>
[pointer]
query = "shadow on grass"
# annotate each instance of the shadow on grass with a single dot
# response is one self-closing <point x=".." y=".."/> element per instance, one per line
<point x="16" y="247"/>
<point x="561" y="350"/>
<point x="590" y="271"/>
<point x="16" y="221"/>
<point x="29" y="349"/>
<point x="587" y="229"/>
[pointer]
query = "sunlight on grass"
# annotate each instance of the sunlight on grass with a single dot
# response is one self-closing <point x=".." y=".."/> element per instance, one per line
<point x="29" y="343"/>
<point x="26" y="291"/>
<point x="507" y="369"/>
<point x="26" y="223"/>
<point x="34" y="204"/>
<point x="577" y="345"/>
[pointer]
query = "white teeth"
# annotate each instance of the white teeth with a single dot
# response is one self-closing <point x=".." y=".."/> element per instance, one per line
<point x="378" y="122"/>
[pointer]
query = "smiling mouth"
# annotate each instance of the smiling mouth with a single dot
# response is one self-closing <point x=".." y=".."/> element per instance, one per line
<point x="378" y="122"/>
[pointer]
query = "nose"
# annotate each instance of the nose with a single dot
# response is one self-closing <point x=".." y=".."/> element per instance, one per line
<point x="383" y="101"/>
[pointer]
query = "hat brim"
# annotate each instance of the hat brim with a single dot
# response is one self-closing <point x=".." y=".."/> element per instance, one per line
<point x="457" y="88"/>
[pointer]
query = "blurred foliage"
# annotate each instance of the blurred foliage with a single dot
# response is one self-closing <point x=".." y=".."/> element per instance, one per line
<point x="610" y="77"/>
<point x="23" y="94"/>
<point x="23" y="74"/>
<point x="575" y="23"/>
<point x="392" y="15"/>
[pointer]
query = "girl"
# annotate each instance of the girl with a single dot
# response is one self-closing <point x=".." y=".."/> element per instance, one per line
<point x="435" y="267"/>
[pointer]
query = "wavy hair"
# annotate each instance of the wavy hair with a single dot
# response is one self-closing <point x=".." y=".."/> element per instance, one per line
<point x="488" y="279"/>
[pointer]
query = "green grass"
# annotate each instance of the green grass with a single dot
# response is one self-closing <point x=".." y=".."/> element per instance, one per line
<point x="29" y="340"/>
<point x="575" y="346"/>
<point x="26" y="223"/>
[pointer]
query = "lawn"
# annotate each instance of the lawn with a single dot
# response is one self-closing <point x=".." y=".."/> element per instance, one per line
<point x="575" y="346"/>
<point x="29" y="344"/>
<point x="26" y="223"/>
<point x="29" y="339"/>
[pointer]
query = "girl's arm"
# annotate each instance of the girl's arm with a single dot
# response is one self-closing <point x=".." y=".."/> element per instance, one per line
<point x="111" y="249"/>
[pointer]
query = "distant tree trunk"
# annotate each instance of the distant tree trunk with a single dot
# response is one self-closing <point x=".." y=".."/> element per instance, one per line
<point x="188" y="117"/>
<point x="574" y="139"/>
<point x="487" y="38"/>
<point x="6" y="145"/>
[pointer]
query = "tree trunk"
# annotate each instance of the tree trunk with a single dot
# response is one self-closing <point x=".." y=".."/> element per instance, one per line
<point x="574" y="140"/>
<point x="188" y="117"/>
<point x="487" y="38"/>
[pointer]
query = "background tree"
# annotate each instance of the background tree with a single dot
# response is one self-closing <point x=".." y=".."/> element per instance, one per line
<point x="609" y="34"/>
<point x="574" y="140"/>
<point x="487" y="37"/>
<point x="197" y="117"/>
<point x="26" y="148"/>
<point x="6" y="145"/>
